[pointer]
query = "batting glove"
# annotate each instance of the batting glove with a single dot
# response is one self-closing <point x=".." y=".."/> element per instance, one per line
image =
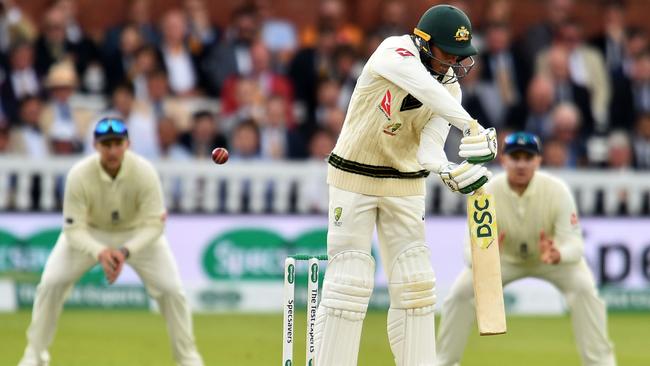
<point x="464" y="178"/>
<point x="479" y="148"/>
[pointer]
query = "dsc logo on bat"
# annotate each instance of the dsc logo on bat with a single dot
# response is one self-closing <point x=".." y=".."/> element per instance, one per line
<point x="482" y="225"/>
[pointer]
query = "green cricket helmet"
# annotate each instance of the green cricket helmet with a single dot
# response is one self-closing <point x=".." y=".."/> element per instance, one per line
<point x="449" y="29"/>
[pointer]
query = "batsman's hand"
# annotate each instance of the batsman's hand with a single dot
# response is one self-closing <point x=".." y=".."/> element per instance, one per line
<point x="464" y="178"/>
<point x="547" y="251"/>
<point x="480" y="146"/>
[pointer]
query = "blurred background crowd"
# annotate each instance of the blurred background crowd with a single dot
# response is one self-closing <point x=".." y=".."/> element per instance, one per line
<point x="267" y="88"/>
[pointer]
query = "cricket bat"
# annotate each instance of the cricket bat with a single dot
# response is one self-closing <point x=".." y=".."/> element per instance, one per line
<point x="486" y="266"/>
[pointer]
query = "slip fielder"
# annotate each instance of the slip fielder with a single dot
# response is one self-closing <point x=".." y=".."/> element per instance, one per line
<point x="113" y="213"/>
<point x="540" y="237"/>
<point x="393" y="136"/>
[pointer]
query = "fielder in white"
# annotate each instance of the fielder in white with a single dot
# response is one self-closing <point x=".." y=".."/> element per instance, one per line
<point x="540" y="237"/>
<point x="393" y="136"/>
<point x="113" y="213"/>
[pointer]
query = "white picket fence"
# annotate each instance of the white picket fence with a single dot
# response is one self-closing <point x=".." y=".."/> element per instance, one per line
<point x="284" y="187"/>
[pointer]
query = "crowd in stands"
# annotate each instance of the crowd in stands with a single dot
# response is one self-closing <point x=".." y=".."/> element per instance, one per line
<point x="267" y="90"/>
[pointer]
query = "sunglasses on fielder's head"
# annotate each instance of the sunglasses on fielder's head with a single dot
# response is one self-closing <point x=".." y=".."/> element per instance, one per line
<point x="522" y="141"/>
<point x="110" y="128"/>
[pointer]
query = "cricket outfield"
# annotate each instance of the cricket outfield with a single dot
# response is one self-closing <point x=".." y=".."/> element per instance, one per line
<point x="139" y="338"/>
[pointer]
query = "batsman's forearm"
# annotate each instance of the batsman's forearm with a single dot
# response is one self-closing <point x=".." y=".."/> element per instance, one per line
<point x="144" y="237"/>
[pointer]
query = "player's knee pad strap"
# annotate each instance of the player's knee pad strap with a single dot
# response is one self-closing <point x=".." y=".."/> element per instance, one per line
<point x="348" y="284"/>
<point x="412" y="281"/>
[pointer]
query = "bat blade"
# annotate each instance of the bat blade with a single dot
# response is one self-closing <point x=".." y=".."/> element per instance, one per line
<point x="486" y="266"/>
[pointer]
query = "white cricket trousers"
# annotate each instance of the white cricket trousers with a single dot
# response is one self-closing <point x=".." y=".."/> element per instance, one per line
<point x="575" y="281"/>
<point x="155" y="266"/>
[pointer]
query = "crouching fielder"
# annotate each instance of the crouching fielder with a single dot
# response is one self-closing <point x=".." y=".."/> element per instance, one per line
<point x="113" y="213"/>
<point x="539" y="237"/>
<point x="393" y="136"/>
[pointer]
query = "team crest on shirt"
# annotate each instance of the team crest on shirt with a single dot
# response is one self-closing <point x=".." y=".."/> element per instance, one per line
<point x="385" y="103"/>
<point x="391" y="129"/>
<point x="574" y="219"/>
<point x="338" y="211"/>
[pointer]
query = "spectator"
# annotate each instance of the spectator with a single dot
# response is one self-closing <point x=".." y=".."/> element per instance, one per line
<point x="5" y="145"/>
<point x="14" y="25"/>
<point x="557" y="61"/>
<point x="321" y="145"/>
<point x="636" y="42"/>
<point x="566" y="123"/>
<point x="181" y="64"/>
<point x="641" y="142"/>
<point x="27" y="138"/>
<point x="204" y="136"/>
<point x="245" y="141"/>
<point x="120" y="64"/>
<point x="277" y="140"/>
<point x="147" y="61"/>
<point x="329" y="95"/>
<point x="347" y="70"/>
<point x="21" y="79"/>
<point x="60" y="119"/>
<point x="632" y="95"/>
<point x="586" y="69"/>
<point x="278" y="35"/>
<point x="540" y="36"/>
<point x="504" y="69"/>
<point x="332" y="15"/>
<point x="232" y="55"/>
<point x="333" y="119"/>
<point x="555" y="154"/>
<point x="267" y="83"/>
<point x="202" y="33"/>
<point x="54" y="47"/>
<point x="168" y="140"/>
<point x="393" y="19"/>
<point x="138" y="14"/>
<point x="620" y="154"/>
<point x="534" y="116"/>
<point x="249" y="100"/>
<point x="162" y="104"/>
<point x="611" y="41"/>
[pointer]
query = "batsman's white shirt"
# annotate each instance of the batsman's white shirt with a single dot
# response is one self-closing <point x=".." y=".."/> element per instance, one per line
<point x="131" y="203"/>
<point x="394" y="99"/>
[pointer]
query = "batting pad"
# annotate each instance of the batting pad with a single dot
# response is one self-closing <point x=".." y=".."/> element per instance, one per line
<point x="411" y="323"/>
<point x="347" y="287"/>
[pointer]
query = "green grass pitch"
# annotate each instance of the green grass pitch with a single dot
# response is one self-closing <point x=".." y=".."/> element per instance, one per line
<point x="138" y="338"/>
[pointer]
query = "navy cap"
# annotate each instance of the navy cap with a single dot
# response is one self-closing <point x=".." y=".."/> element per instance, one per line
<point x="522" y="141"/>
<point x="111" y="128"/>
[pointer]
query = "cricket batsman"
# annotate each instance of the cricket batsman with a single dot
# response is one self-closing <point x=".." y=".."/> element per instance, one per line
<point x="540" y="237"/>
<point x="393" y="136"/>
<point x="113" y="213"/>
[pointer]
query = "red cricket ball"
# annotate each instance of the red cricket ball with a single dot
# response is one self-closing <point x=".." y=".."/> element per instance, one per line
<point x="220" y="155"/>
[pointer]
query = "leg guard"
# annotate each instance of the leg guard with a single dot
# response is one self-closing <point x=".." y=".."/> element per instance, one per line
<point x="348" y="284"/>
<point x="411" y="322"/>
